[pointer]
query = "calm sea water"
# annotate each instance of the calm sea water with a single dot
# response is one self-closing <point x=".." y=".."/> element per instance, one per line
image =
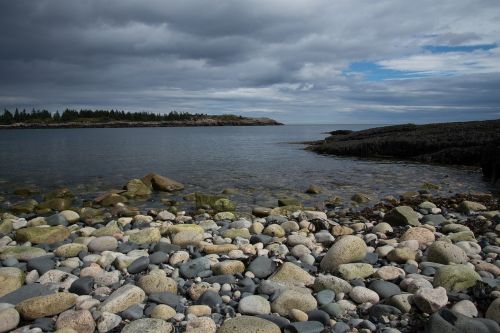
<point x="259" y="161"/>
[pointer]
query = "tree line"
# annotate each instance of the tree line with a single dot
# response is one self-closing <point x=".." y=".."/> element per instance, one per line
<point x="44" y="116"/>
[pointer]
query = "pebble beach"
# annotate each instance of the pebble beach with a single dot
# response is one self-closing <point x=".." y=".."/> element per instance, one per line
<point x="414" y="262"/>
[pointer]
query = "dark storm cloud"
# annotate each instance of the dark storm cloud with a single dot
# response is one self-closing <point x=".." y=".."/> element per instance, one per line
<point x="284" y="59"/>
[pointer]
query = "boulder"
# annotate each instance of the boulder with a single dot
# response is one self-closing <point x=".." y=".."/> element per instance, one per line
<point x="161" y="183"/>
<point x="345" y="250"/>
<point x="401" y="216"/>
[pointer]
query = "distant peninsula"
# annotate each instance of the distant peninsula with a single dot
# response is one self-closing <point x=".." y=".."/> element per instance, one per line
<point x="115" y="119"/>
<point x="474" y="143"/>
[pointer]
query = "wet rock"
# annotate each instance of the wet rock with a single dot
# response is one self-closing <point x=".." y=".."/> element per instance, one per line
<point x="161" y="183"/>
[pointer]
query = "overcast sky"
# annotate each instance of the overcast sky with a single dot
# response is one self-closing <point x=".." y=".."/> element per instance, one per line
<point x="332" y="61"/>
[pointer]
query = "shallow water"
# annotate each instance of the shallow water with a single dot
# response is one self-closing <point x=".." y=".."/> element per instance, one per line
<point x="259" y="161"/>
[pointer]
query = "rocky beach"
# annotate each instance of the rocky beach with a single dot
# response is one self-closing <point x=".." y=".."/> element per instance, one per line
<point x="414" y="262"/>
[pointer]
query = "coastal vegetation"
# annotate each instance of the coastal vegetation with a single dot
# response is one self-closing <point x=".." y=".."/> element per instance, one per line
<point x="97" y="116"/>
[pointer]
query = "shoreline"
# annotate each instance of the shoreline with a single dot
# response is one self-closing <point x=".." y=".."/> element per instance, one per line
<point x="113" y="264"/>
<point x="120" y="124"/>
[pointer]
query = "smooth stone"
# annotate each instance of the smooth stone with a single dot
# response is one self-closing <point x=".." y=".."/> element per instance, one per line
<point x="363" y="295"/>
<point x="148" y="325"/>
<point x="22" y="253"/>
<point x="455" y="277"/>
<point x="430" y="300"/>
<point x="122" y="298"/>
<point x="345" y="250"/>
<point x="163" y="311"/>
<point x="103" y="243"/>
<point x="355" y="271"/>
<point x="228" y="267"/>
<point x="132" y="312"/>
<point x="157" y="282"/>
<point x="466" y="307"/>
<point x="254" y="305"/>
<point x="80" y="321"/>
<point x="193" y="268"/>
<point x="401" y="216"/>
<point x="290" y="299"/>
<point x="166" y="247"/>
<point x="281" y="322"/>
<point x="248" y="324"/>
<point x="145" y="236"/>
<point x="305" y="327"/>
<point x="434" y="219"/>
<point x="42" y="235"/>
<point x="385" y="289"/>
<point x="331" y="282"/>
<point x="82" y="286"/>
<point x="70" y="250"/>
<point x="9" y="319"/>
<point x="446" y="253"/>
<point x="56" y="219"/>
<point x="107" y="322"/>
<point x="262" y="267"/>
<point x="138" y="265"/>
<point x="210" y="298"/>
<point x="47" y="305"/>
<point x="11" y="278"/>
<point x="420" y="234"/>
<point x="290" y="274"/>
<point x="451" y="321"/>
<point x="320" y="316"/>
<point x="341" y="327"/>
<point x="493" y="311"/>
<point x="28" y="291"/>
<point x="157" y="258"/>
<point x="165" y="297"/>
<point x="325" y="296"/>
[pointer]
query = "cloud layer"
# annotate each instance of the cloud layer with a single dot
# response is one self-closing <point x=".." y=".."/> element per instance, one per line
<point x="291" y="60"/>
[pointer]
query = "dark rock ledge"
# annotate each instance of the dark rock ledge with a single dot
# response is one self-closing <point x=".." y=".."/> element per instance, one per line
<point x="475" y="143"/>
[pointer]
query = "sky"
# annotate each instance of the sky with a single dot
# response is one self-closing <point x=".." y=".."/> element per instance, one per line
<point x="297" y="61"/>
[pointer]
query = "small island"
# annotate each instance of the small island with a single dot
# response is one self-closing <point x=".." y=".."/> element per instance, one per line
<point x="114" y="119"/>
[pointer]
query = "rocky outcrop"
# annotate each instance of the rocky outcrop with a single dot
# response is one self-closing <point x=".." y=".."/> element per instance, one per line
<point x="475" y="143"/>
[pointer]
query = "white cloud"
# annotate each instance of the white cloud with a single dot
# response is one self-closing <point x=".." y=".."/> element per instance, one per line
<point x="476" y="62"/>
